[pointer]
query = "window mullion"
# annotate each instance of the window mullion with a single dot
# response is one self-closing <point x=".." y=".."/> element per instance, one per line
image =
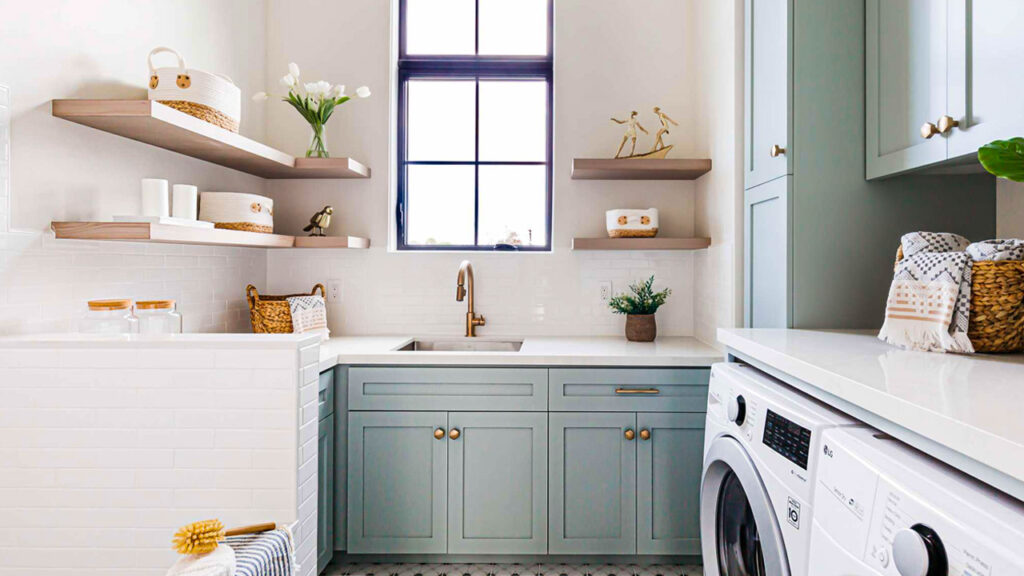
<point x="476" y="170"/>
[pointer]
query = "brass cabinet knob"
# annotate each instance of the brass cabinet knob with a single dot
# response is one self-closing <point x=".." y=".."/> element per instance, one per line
<point x="777" y="151"/>
<point x="439" y="433"/>
<point x="947" y="123"/>
<point x="928" y="130"/>
<point x="454" y="433"/>
<point x="629" y="434"/>
<point x="645" y="434"/>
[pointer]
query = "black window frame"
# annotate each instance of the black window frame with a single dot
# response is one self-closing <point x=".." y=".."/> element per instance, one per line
<point x="471" y="67"/>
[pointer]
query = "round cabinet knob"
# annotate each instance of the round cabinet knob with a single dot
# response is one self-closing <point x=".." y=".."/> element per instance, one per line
<point x="629" y="434"/>
<point x="947" y="123"/>
<point x="928" y="130"/>
<point x="645" y="434"/>
<point x="439" y="433"/>
<point x="917" y="551"/>
<point x="777" y="151"/>
<point x="737" y="410"/>
<point x="454" y="433"/>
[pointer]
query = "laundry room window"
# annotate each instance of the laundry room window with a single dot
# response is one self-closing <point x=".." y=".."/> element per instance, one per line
<point x="474" y="125"/>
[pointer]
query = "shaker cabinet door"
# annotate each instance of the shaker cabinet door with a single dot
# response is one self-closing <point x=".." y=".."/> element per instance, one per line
<point x="767" y="214"/>
<point x="593" y="483"/>
<point x="325" y="494"/>
<point x="906" y="59"/>
<point x="985" y="86"/>
<point x="768" y="94"/>
<point x="670" y="457"/>
<point x="497" y="483"/>
<point x="398" y="485"/>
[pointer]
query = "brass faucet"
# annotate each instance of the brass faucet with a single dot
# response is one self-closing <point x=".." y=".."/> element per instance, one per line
<point x="466" y="287"/>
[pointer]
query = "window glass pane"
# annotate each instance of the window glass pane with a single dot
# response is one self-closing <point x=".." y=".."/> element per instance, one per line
<point x="436" y="27"/>
<point x="440" y="209"/>
<point x="513" y="205"/>
<point x="442" y="120"/>
<point x="513" y="121"/>
<point x="514" y="27"/>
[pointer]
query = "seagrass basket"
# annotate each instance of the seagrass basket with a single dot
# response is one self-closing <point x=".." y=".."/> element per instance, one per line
<point x="997" y="305"/>
<point x="271" y="314"/>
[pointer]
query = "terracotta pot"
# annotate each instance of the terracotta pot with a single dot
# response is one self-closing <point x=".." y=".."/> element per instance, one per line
<point x="641" y="328"/>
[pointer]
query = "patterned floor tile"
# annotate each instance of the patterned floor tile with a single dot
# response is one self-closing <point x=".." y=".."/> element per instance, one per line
<point x="512" y="570"/>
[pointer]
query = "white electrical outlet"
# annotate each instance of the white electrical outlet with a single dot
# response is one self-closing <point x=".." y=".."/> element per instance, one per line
<point x="334" y="291"/>
<point x="606" y="291"/>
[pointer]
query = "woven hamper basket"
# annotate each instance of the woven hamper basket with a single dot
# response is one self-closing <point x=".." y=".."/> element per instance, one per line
<point x="997" y="305"/>
<point x="271" y="314"/>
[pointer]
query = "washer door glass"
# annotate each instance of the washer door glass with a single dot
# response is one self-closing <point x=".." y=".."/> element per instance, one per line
<point x="739" y="544"/>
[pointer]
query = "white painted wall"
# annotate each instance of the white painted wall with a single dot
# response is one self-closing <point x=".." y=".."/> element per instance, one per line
<point x="603" y="67"/>
<point x="63" y="171"/>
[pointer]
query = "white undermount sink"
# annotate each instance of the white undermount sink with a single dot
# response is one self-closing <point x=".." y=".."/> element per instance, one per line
<point x="462" y="345"/>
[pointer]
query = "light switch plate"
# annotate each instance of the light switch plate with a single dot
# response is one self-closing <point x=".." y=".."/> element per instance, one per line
<point x="606" y="291"/>
<point x="334" y="290"/>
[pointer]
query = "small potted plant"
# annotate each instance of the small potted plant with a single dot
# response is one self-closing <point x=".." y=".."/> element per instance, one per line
<point x="639" y="308"/>
<point x="1004" y="158"/>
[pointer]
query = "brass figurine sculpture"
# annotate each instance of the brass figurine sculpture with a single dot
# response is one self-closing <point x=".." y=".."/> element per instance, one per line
<point x="320" y="222"/>
<point x="659" y="150"/>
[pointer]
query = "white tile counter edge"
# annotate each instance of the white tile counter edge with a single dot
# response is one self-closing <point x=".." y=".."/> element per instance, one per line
<point x="848" y="376"/>
<point x="611" y="351"/>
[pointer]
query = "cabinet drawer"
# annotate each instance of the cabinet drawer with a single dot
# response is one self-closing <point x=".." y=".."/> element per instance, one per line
<point x="629" y="390"/>
<point x="480" y="389"/>
<point x="325" y="397"/>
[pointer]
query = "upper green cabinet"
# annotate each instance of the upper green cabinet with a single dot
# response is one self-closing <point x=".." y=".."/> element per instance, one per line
<point x="940" y="80"/>
<point x="768" y="96"/>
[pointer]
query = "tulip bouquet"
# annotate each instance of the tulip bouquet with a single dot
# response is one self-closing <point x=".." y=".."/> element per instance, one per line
<point x="315" y="101"/>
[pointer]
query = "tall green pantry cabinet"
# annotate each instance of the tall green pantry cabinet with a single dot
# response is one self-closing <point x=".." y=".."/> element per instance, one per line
<point x="819" y="238"/>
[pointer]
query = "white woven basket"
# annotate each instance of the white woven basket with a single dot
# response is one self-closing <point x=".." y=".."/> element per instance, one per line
<point x="237" y="211"/>
<point x="210" y="97"/>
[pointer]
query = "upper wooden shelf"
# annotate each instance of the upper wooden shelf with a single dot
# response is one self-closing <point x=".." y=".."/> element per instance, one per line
<point x="170" y="234"/>
<point x="656" y="243"/>
<point x="639" y="168"/>
<point x="165" y="127"/>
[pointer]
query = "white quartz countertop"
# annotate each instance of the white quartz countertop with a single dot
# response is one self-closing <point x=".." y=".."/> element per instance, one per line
<point x="970" y="404"/>
<point x="536" y="351"/>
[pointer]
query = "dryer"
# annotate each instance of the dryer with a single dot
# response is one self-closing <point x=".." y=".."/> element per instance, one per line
<point x="762" y="445"/>
<point x="883" y="508"/>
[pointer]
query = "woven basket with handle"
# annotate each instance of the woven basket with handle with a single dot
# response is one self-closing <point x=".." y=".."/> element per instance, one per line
<point x="997" y="305"/>
<point x="271" y="314"/>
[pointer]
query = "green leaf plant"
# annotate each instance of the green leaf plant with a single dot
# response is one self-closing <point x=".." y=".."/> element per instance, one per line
<point x="1004" y="158"/>
<point x="641" y="299"/>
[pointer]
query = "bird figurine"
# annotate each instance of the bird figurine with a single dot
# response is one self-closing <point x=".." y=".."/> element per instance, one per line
<point x="320" y="222"/>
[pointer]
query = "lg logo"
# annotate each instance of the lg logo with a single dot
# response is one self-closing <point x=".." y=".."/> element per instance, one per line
<point x="828" y="451"/>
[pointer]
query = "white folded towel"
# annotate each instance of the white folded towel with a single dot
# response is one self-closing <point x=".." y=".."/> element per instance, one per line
<point x="220" y="562"/>
<point x="309" y="314"/>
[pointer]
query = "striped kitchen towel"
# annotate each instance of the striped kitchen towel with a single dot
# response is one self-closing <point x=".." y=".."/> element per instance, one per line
<point x="309" y="314"/>
<point x="264" y="554"/>
<point x="929" y="300"/>
<point x="997" y="250"/>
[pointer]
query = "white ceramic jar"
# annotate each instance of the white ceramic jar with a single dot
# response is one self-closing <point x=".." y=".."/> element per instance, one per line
<point x="158" y="317"/>
<point x="109" y="317"/>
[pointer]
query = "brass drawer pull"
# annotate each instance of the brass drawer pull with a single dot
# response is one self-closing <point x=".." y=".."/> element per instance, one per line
<point x="630" y="434"/>
<point x="454" y="433"/>
<point x="637" y="391"/>
<point x="645" y="434"/>
<point x="439" y="433"/>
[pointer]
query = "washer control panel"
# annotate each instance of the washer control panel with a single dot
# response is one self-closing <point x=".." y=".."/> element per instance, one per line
<point x="788" y="438"/>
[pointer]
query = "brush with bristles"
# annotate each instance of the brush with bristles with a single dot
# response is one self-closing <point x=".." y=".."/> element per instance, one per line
<point x="203" y="537"/>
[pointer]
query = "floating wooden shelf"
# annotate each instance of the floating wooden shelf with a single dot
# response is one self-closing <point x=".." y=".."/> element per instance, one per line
<point x="639" y="169"/>
<point x="640" y="243"/>
<point x="168" y="234"/>
<point x="165" y="127"/>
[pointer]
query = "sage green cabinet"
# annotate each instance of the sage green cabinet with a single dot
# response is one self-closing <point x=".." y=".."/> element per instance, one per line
<point x="767" y="217"/>
<point x="325" y="494"/>
<point x="767" y="89"/>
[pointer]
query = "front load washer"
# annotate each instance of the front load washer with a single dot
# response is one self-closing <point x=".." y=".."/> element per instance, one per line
<point x="883" y="508"/>
<point x="762" y="443"/>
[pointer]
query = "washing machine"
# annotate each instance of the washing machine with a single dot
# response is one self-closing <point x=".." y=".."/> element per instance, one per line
<point x="762" y="445"/>
<point x="884" y="508"/>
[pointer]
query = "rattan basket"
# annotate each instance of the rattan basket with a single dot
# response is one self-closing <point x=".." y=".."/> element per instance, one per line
<point x="997" y="305"/>
<point x="271" y="314"/>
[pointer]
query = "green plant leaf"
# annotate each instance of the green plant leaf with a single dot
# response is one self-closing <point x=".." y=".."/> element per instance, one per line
<point x="643" y="300"/>
<point x="1004" y="158"/>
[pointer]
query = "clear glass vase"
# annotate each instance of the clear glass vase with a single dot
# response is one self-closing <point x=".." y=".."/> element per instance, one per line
<point x="317" y="142"/>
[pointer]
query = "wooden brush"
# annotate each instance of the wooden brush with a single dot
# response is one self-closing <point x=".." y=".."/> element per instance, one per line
<point x="203" y="537"/>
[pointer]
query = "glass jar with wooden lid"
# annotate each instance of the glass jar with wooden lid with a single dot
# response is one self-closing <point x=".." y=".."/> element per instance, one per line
<point x="158" y="317"/>
<point x="109" y="317"/>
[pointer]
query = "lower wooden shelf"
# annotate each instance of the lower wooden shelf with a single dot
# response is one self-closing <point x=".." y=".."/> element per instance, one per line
<point x="168" y="234"/>
<point x="640" y="243"/>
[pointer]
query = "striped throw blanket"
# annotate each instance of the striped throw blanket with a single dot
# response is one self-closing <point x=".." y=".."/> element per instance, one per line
<point x="929" y="300"/>
<point x="263" y="554"/>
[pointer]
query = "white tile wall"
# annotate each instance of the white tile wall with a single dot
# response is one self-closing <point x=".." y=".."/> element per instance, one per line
<point x="104" y="453"/>
<point x="5" y="157"/>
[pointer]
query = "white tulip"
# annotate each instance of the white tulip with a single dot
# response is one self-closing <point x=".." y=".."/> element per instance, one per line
<point x="259" y="97"/>
<point x="293" y="69"/>
<point x="312" y="89"/>
<point x="363" y="92"/>
<point x="323" y="88"/>
<point x="338" y="91"/>
<point x="288" y="81"/>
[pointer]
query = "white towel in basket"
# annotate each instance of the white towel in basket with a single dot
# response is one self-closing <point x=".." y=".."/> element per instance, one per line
<point x="309" y="314"/>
